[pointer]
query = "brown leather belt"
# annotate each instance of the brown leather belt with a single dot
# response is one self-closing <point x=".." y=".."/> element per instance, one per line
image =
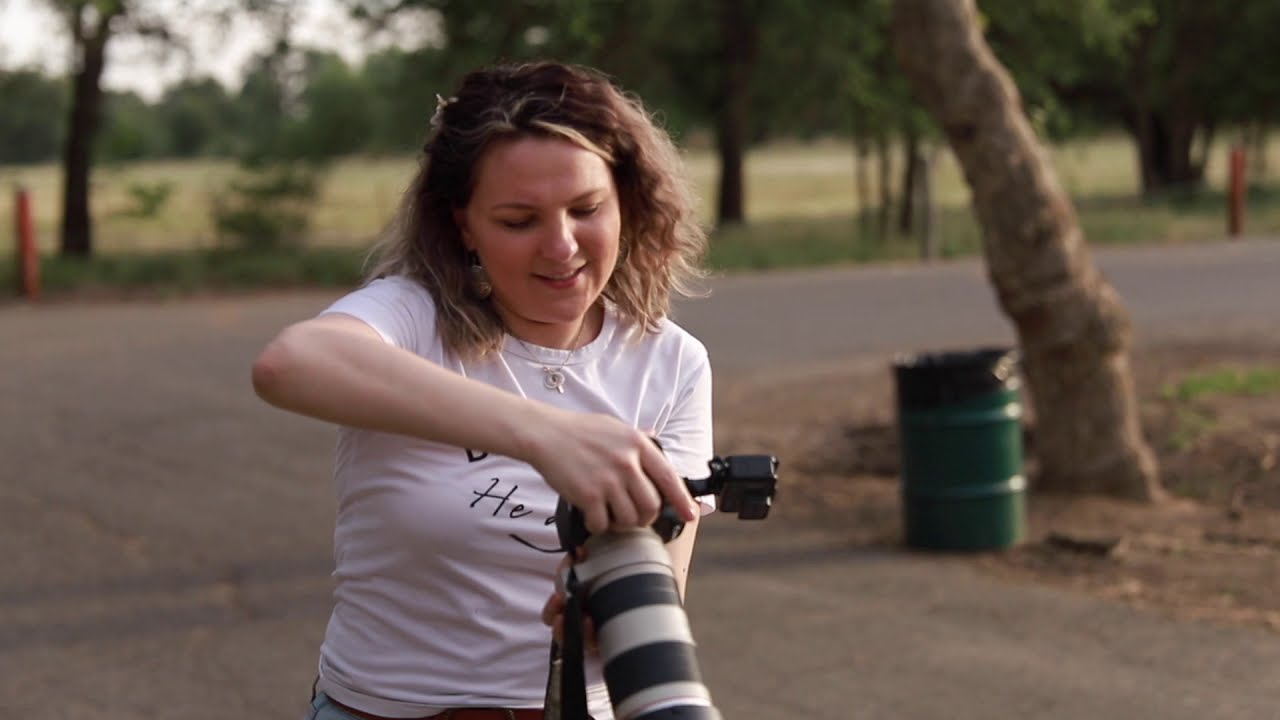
<point x="456" y="713"/>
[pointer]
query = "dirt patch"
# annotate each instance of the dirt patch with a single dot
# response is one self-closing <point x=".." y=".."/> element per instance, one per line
<point x="1211" y="552"/>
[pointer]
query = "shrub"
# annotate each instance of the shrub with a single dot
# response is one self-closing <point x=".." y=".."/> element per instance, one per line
<point x="266" y="208"/>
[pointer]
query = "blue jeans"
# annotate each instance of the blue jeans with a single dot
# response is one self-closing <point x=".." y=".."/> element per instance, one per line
<point x="322" y="708"/>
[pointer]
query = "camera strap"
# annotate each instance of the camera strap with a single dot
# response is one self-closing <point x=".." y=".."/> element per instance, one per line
<point x="567" y="680"/>
<point x="573" y="673"/>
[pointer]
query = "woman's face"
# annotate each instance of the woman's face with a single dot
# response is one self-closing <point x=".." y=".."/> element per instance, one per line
<point x="545" y="221"/>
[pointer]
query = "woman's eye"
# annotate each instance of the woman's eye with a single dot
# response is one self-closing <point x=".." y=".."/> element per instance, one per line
<point x="516" y="224"/>
<point x="586" y="211"/>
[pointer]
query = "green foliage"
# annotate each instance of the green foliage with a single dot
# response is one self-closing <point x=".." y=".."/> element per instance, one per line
<point x="130" y="129"/>
<point x="301" y="110"/>
<point x="1225" y="381"/>
<point x="1195" y="418"/>
<point x="149" y="199"/>
<point x="267" y="208"/>
<point x="1191" y="424"/>
<point x="335" y="111"/>
<point x="32" y="116"/>
<point x="819" y="68"/>
<point x="1170" y="72"/>
<point x="401" y="87"/>
<point x="264" y="105"/>
<point x="199" y="118"/>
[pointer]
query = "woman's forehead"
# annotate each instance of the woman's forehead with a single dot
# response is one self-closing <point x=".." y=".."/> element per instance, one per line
<point x="538" y="170"/>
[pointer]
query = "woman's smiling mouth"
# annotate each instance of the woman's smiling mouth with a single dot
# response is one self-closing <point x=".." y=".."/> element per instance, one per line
<point x="561" y="280"/>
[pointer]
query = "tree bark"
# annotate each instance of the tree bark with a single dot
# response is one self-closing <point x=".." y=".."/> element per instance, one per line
<point x="908" y="194"/>
<point x="1256" y="142"/>
<point x="1165" y="143"/>
<point x="862" y="185"/>
<point x="884" y="167"/>
<point x="738" y="41"/>
<point x="930" y="226"/>
<point x="1165" y="115"/>
<point x="90" y="46"/>
<point x="1073" y="330"/>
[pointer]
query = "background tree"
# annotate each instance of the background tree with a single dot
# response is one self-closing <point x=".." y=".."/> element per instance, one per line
<point x="1072" y="328"/>
<point x="695" y="61"/>
<point x="739" y="50"/>
<point x="302" y="109"/>
<point x="90" y="24"/>
<point x="199" y="118"/>
<point x="32" y="121"/>
<point x="1052" y="50"/>
<point x="335" y="109"/>
<point x="1156" y="68"/>
<point x="401" y="88"/>
<point x="131" y="129"/>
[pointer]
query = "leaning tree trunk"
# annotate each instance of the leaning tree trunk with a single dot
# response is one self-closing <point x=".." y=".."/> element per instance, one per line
<point x="1072" y="328"/>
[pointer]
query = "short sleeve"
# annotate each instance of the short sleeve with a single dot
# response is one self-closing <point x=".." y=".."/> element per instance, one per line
<point x="687" y="436"/>
<point x="399" y="309"/>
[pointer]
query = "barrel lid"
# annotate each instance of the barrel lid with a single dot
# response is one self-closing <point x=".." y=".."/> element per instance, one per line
<point x="933" y="379"/>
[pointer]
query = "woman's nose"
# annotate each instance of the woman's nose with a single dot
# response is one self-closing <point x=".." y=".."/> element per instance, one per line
<point x="560" y="243"/>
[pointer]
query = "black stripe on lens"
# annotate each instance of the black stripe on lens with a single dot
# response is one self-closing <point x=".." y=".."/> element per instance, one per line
<point x="682" y="712"/>
<point x="631" y="592"/>
<point x="649" y="666"/>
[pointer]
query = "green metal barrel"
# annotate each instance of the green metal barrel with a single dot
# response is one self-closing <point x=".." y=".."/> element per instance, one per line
<point x="960" y="431"/>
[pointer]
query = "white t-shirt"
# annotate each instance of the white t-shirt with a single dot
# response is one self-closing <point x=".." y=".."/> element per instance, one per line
<point x="445" y="556"/>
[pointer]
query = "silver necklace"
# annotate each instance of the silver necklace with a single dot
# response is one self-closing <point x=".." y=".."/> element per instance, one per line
<point x="553" y="377"/>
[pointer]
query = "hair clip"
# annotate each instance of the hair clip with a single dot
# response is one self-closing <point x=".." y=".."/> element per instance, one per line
<point x="441" y="103"/>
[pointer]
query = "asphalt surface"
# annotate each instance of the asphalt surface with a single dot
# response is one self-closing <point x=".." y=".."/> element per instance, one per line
<point x="166" y="536"/>
<point x="797" y="318"/>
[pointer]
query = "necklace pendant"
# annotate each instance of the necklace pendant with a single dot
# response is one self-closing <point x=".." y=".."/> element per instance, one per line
<point x="553" y="379"/>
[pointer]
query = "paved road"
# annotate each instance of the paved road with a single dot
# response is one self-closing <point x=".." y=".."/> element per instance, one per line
<point x="166" y="536"/>
<point x="764" y="322"/>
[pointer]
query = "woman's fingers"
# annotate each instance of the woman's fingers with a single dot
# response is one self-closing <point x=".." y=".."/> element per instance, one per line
<point x="667" y="482"/>
<point x="596" y="518"/>
<point x="638" y="505"/>
<point x="553" y="617"/>
<point x="647" y="500"/>
<point x="623" y="513"/>
<point x="617" y="476"/>
<point x="636" y="494"/>
<point x="554" y="608"/>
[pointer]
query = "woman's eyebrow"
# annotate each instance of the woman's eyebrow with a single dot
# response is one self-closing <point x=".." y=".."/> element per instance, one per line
<point x="588" y="195"/>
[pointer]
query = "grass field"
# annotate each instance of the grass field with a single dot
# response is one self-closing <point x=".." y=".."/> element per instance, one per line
<point x="801" y="201"/>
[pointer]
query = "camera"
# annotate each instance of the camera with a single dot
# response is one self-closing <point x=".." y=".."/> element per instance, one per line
<point x="628" y="589"/>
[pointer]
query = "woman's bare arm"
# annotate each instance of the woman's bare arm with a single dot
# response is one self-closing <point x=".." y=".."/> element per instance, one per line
<point x="338" y="369"/>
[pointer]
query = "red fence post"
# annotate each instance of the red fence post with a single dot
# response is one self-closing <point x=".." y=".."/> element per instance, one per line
<point x="28" y="256"/>
<point x="1235" y="205"/>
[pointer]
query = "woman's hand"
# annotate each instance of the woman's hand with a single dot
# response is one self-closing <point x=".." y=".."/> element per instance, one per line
<point x="616" y="475"/>
<point x="553" y="613"/>
<point x="338" y="369"/>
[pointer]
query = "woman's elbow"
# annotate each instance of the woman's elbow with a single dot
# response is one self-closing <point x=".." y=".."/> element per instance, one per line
<point x="272" y="368"/>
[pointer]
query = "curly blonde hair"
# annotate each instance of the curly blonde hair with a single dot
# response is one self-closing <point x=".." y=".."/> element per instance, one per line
<point x="661" y="243"/>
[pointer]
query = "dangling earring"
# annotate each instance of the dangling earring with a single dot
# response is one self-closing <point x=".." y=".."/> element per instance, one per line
<point x="480" y="285"/>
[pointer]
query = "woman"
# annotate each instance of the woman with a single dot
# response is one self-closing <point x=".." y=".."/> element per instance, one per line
<point x="512" y="348"/>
